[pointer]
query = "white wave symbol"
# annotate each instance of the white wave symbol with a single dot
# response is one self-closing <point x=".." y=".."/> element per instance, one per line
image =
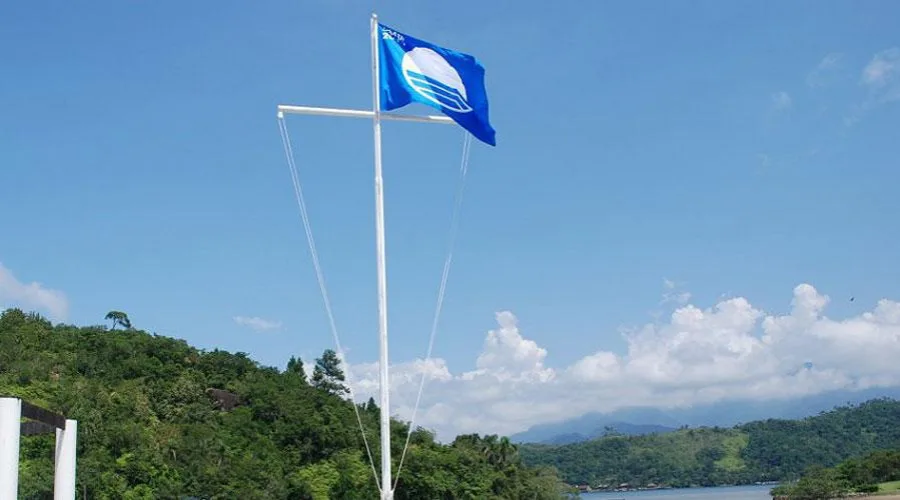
<point x="432" y="77"/>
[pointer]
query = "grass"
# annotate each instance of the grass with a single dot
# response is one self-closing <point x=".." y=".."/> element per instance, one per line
<point x="892" y="487"/>
<point x="733" y="445"/>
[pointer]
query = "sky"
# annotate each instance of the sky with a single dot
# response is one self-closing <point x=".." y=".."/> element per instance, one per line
<point x="688" y="201"/>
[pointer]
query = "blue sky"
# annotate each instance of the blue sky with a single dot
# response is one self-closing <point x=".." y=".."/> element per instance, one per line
<point x="735" y="149"/>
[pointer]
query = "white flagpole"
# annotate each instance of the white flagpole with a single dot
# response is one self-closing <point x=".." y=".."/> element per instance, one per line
<point x="387" y="492"/>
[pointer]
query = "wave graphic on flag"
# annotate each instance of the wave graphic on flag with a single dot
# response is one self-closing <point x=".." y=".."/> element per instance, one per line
<point x="436" y="91"/>
<point x="434" y="78"/>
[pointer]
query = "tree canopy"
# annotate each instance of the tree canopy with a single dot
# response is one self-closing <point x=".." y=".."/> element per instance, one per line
<point x="328" y="375"/>
<point x="158" y="418"/>
<point x="855" y="475"/>
<point x="118" y="318"/>
<point x="769" y="450"/>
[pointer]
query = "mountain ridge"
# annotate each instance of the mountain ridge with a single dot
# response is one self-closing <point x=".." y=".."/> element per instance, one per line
<point x="758" y="451"/>
<point x="648" y="420"/>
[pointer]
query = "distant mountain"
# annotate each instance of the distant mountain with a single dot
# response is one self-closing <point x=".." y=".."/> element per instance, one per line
<point x="622" y="428"/>
<point x="631" y="422"/>
<point x="729" y="413"/>
<point x="639" y="421"/>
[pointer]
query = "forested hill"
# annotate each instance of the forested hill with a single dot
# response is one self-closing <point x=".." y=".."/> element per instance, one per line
<point x="758" y="451"/>
<point x="158" y="418"/>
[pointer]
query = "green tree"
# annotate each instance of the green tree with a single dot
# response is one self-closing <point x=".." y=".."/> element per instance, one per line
<point x="328" y="375"/>
<point x="118" y="318"/>
<point x="295" y="366"/>
<point x="152" y="423"/>
<point x="770" y="450"/>
<point x="819" y="483"/>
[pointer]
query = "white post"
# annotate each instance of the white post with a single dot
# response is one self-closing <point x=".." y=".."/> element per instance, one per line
<point x="10" y="428"/>
<point x="387" y="490"/>
<point x="64" y="475"/>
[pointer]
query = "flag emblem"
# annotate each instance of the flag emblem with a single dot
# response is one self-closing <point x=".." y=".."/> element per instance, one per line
<point x="431" y="75"/>
<point x="414" y="70"/>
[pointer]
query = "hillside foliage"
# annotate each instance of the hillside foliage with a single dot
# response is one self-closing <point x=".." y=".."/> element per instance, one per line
<point x="769" y="450"/>
<point x="158" y="418"/>
<point x="867" y="474"/>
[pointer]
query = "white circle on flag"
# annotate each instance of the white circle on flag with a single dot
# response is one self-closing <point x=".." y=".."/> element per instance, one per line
<point x="432" y="77"/>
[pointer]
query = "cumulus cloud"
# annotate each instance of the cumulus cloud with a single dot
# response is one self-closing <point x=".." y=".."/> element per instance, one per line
<point x="31" y="296"/>
<point x="732" y="350"/>
<point x="256" y="323"/>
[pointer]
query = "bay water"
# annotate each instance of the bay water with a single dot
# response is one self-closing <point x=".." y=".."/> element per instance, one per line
<point x="719" y="493"/>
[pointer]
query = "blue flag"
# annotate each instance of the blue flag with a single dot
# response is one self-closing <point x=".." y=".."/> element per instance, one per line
<point x="453" y="82"/>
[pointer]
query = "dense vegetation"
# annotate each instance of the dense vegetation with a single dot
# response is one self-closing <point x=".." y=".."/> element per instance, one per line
<point x="769" y="450"/>
<point x="160" y="419"/>
<point x="868" y="474"/>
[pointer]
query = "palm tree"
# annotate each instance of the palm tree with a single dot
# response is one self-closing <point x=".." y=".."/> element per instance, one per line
<point x="506" y="451"/>
<point x="489" y="447"/>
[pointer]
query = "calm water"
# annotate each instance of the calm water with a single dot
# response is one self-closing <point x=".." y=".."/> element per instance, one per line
<point x="726" y="493"/>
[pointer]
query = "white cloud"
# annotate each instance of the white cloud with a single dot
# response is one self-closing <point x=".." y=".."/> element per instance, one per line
<point x="781" y="101"/>
<point x="508" y="355"/>
<point x="32" y="296"/>
<point x="816" y="77"/>
<point x="256" y="323"/>
<point x="730" y="351"/>
<point x="883" y="69"/>
<point x="672" y="294"/>
<point x="881" y="77"/>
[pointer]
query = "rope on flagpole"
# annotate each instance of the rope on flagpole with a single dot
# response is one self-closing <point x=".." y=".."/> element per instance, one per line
<point x="298" y="192"/>
<point x="454" y="229"/>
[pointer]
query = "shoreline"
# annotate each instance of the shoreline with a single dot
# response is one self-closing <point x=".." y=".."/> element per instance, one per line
<point x="646" y="489"/>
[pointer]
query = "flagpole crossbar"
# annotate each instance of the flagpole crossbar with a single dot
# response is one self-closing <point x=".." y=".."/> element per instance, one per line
<point x="358" y="113"/>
